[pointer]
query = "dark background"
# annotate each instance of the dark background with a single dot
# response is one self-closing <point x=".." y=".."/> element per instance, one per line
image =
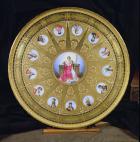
<point x="14" y="14"/>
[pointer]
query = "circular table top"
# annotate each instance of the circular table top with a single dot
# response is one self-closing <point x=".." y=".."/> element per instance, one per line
<point x="69" y="67"/>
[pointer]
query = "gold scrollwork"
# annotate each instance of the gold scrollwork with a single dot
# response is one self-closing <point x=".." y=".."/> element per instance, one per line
<point x="74" y="43"/>
<point x="70" y="91"/>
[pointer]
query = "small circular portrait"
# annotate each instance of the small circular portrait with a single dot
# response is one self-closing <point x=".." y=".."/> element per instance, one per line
<point x="104" y="52"/>
<point x="52" y="102"/>
<point x="88" y="100"/>
<point x="70" y="106"/>
<point x="59" y="30"/>
<point x="77" y="30"/>
<point x="33" y="55"/>
<point x="93" y="38"/>
<point x="38" y="90"/>
<point x="107" y="70"/>
<point x="42" y="39"/>
<point x="101" y="88"/>
<point x="31" y="73"/>
<point x="69" y="67"/>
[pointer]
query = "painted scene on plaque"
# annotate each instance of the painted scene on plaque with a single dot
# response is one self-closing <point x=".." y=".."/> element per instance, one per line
<point x="69" y="67"/>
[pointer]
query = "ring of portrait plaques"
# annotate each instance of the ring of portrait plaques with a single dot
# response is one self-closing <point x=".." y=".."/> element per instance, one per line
<point x="68" y="67"/>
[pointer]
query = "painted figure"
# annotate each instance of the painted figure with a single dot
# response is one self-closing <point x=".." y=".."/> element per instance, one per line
<point x="104" y="52"/>
<point x="68" y="75"/>
<point x="59" y="30"/>
<point x="77" y="30"/>
<point x="88" y="100"/>
<point x="38" y="90"/>
<point x="53" y="103"/>
<point x="107" y="70"/>
<point x="33" y="55"/>
<point x="88" y="103"/>
<point x="31" y="73"/>
<point x="42" y="39"/>
<point x="70" y="107"/>
<point x="93" y="38"/>
<point x="102" y="88"/>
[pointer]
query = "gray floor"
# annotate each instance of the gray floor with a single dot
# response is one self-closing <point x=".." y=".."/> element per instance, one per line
<point x="107" y="134"/>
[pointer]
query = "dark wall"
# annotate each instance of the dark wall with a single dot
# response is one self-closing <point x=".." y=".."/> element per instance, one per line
<point x="14" y="14"/>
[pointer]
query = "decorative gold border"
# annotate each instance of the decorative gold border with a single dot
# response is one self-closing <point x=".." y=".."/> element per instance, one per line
<point x="92" y="14"/>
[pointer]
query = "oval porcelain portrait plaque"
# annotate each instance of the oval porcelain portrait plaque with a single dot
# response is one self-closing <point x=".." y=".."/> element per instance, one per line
<point x="69" y="67"/>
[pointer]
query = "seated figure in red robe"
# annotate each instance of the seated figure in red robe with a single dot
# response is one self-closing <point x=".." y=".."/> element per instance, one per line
<point x="68" y="75"/>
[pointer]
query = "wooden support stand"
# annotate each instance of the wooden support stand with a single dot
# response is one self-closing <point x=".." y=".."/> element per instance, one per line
<point x="95" y="129"/>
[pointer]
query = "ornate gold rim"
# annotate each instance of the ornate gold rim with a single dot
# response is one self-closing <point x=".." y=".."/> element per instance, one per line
<point x="126" y="75"/>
